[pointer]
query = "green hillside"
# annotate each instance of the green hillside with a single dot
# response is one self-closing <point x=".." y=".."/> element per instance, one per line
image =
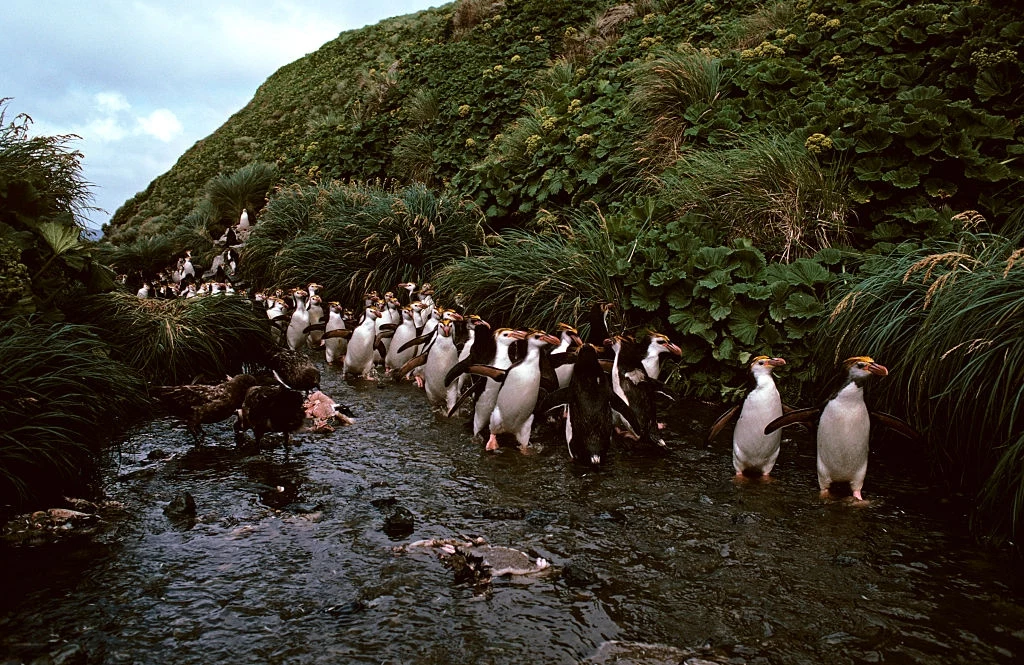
<point x="812" y="179"/>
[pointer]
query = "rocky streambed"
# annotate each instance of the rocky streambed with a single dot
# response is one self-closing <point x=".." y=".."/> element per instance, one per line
<point x="305" y="557"/>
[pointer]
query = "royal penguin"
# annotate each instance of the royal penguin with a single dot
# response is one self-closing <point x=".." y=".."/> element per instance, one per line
<point x="754" y="452"/>
<point x="513" y="411"/>
<point x="362" y="345"/>
<point x="487" y="395"/>
<point x="441" y="356"/>
<point x="634" y="386"/>
<point x="404" y="332"/>
<point x="317" y="326"/>
<point x="844" y="427"/>
<point x="296" y="332"/>
<point x="569" y="339"/>
<point x="590" y="401"/>
<point x="334" y="344"/>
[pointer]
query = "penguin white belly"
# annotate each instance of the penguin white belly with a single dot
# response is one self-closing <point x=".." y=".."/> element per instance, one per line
<point x="395" y="359"/>
<point x="296" y="336"/>
<point x="485" y="405"/>
<point x="442" y="358"/>
<point x="843" y="431"/>
<point x="513" y="411"/>
<point x="752" y="450"/>
<point x="359" y="357"/>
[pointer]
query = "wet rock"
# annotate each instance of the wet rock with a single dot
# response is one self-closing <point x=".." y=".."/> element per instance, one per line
<point x="540" y="518"/>
<point x="637" y="653"/>
<point x="158" y="454"/>
<point x="504" y="513"/>
<point x="744" y="518"/>
<point x="384" y="502"/>
<point x="183" y="506"/>
<point x="579" y="574"/>
<point x="399" y="523"/>
<point x="706" y="500"/>
<point x="846" y="559"/>
<point x="69" y="654"/>
<point x="616" y="516"/>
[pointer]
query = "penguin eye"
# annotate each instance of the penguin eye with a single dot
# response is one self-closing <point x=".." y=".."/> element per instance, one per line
<point x="760" y="362"/>
<point x="861" y="365"/>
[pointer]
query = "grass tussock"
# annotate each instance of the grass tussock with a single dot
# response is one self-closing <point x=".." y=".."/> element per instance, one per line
<point x="947" y="320"/>
<point x="61" y="396"/>
<point x="179" y="341"/>
<point x="537" y="280"/>
<point x="769" y="189"/>
<point x="352" y="238"/>
<point x="245" y="188"/>
<point x="674" y="92"/>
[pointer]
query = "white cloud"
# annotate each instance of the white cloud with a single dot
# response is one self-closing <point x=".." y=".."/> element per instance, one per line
<point x="106" y="130"/>
<point x="111" y="102"/>
<point x="161" y="124"/>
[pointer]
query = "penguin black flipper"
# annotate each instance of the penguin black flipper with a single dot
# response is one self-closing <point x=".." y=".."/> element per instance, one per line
<point x="722" y="421"/>
<point x="606" y="365"/>
<point x="281" y="318"/>
<point x="898" y="425"/>
<point x="314" y="326"/>
<point x="808" y="416"/>
<point x="388" y="326"/>
<point x="563" y="358"/>
<point x="334" y="334"/>
<point x="379" y="339"/>
<point x="488" y="371"/>
<point x="462" y="398"/>
<point x="378" y="345"/>
<point x="624" y="410"/>
<point x="458" y="369"/>
<point x="412" y="364"/>
<point x="416" y="341"/>
<point x="557" y="399"/>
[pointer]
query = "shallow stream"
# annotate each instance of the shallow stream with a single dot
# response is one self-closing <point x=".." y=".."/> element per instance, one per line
<point x="288" y="560"/>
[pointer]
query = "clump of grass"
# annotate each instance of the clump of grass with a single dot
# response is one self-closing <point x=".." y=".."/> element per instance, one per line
<point x="673" y="92"/>
<point x="753" y="28"/>
<point x="245" y="189"/>
<point x="414" y="156"/>
<point x="467" y="14"/>
<point x="352" y="238"/>
<point x="769" y="189"/>
<point x="178" y="341"/>
<point x="61" y="397"/>
<point x="537" y="280"/>
<point x="947" y="320"/>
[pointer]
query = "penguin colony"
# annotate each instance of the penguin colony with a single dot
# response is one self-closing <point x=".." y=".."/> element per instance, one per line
<point x="507" y="380"/>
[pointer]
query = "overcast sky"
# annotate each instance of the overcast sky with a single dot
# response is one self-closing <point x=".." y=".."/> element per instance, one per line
<point x="142" y="80"/>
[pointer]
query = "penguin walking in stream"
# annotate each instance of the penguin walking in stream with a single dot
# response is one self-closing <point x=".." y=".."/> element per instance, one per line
<point x="588" y="423"/>
<point x="844" y="427"/>
<point x="754" y="452"/>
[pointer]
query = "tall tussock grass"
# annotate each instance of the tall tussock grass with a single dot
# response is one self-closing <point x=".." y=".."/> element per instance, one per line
<point x="352" y="238"/>
<point x="179" y="341"/>
<point x="769" y="189"/>
<point x="949" y="320"/>
<point x="61" y="395"/>
<point x="537" y="280"/>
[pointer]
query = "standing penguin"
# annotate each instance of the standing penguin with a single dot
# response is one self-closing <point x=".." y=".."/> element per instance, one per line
<point x="362" y="345"/>
<point x="334" y="345"/>
<point x="316" y="328"/>
<point x="754" y="452"/>
<point x="406" y="331"/>
<point x="588" y="425"/>
<point x="441" y="357"/>
<point x="296" y="332"/>
<point x="520" y="389"/>
<point x="632" y="379"/>
<point x="844" y="427"/>
<point x="570" y="339"/>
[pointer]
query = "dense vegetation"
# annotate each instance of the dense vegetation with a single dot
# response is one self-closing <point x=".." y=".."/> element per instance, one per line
<point x="736" y="172"/>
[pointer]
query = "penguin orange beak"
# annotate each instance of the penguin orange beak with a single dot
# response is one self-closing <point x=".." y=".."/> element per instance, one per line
<point x="876" y="369"/>
<point x="576" y="339"/>
<point x="676" y="351"/>
<point x="551" y="339"/>
<point x="778" y="362"/>
<point x="518" y="334"/>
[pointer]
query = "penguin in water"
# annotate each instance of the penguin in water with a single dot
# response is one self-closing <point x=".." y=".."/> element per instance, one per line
<point x="588" y="424"/>
<point x="754" y="452"/>
<point x="441" y="356"/>
<point x="362" y="344"/>
<point x="403" y="333"/>
<point x="334" y="345"/>
<point x="317" y="326"/>
<point x="844" y="427"/>
<point x="570" y="339"/>
<point x="487" y="394"/>
<point x="296" y="333"/>
<point x="634" y="369"/>
<point x="513" y="411"/>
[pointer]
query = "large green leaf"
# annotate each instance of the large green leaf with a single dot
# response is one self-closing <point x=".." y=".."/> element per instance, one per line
<point x="743" y="323"/>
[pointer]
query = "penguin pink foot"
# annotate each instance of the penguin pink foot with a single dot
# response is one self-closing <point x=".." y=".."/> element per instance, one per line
<point x="492" y="443"/>
<point x="661" y="425"/>
<point x="419" y="381"/>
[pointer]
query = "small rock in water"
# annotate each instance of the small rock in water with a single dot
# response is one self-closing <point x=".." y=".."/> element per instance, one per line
<point x="182" y="506"/>
<point x="157" y="454"/>
<point x="400" y="523"/>
<point x="579" y="574"/>
<point x="637" y="653"/>
<point x="504" y="513"/>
